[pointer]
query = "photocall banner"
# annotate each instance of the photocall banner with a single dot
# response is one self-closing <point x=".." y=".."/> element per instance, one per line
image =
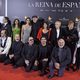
<point x="58" y="9"/>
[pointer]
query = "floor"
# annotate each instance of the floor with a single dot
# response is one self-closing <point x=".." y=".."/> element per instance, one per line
<point x="8" y="73"/>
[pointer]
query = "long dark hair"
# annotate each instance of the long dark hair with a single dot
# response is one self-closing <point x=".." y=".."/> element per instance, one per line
<point x="29" y="20"/>
<point x="45" y="23"/>
<point x="18" y="22"/>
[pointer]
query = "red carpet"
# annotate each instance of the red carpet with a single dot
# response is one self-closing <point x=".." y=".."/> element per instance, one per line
<point x="8" y="73"/>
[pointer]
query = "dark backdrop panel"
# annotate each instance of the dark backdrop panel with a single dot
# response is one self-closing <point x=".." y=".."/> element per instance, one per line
<point x="2" y="7"/>
<point x="62" y="9"/>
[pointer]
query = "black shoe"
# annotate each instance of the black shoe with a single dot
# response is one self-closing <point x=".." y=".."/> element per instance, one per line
<point x="68" y="69"/>
<point x="49" y="77"/>
<point x="43" y="73"/>
<point x="77" y="69"/>
<point x="27" y="70"/>
<point x="35" y="68"/>
<point x="15" y="66"/>
<point x="5" y="63"/>
<point x="74" y="69"/>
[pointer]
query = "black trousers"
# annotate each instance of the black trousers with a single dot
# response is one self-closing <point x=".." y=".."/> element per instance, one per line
<point x="16" y="60"/>
<point x="72" y="47"/>
<point x="31" y="66"/>
<point x="43" y="66"/>
<point x="78" y="58"/>
<point x="3" y="58"/>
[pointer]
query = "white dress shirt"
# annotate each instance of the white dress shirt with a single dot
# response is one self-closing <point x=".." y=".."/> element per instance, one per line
<point x="58" y="33"/>
<point x="5" y="50"/>
<point x="5" y="24"/>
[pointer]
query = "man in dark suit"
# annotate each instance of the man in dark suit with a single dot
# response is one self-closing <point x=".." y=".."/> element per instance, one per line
<point x="44" y="51"/>
<point x="36" y="24"/>
<point x="15" y="54"/>
<point x="29" y="54"/>
<point x="71" y="38"/>
<point x="7" y="25"/>
<point x="56" y="32"/>
<point x="61" y="56"/>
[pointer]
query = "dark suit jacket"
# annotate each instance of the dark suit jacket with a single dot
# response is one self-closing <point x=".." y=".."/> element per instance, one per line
<point x="65" y="56"/>
<point x="29" y="52"/>
<point x="73" y="36"/>
<point x="35" y="28"/>
<point x="8" y="28"/>
<point x="54" y="36"/>
<point x="16" y="48"/>
<point x="44" y="51"/>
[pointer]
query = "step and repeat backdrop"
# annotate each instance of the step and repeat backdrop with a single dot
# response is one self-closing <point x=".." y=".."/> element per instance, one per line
<point x="58" y="9"/>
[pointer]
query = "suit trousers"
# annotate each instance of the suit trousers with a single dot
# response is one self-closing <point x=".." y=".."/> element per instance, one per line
<point x="3" y="57"/>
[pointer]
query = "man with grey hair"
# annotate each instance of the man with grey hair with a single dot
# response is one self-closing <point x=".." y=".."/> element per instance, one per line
<point x="61" y="56"/>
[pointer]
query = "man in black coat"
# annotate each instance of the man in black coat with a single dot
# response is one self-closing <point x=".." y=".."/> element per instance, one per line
<point x="36" y="24"/>
<point x="7" y="26"/>
<point x="71" y="38"/>
<point x="29" y="54"/>
<point x="57" y="32"/>
<point x="60" y="57"/>
<point x="44" y="51"/>
<point x="15" y="53"/>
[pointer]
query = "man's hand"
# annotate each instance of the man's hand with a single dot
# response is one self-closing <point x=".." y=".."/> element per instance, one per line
<point x="45" y="59"/>
<point x="27" y="62"/>
<point x="0" y="53"/>
<point x="36" y="63"/>
<point x="68" y="39"/>
<point x="11" y="56"/>
<point x="57" y="65"/>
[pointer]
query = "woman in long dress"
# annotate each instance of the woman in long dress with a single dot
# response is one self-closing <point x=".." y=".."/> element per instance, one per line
<point x="15" y="28"/>
<point x="26" y="30"/>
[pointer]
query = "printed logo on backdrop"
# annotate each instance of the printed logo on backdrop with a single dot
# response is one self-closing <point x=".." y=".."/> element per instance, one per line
<point x="54" y="7"/>
<point x="63" y="9"/>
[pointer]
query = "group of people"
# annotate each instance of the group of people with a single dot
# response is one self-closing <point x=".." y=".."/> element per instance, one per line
<point x="39" y="44"/>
